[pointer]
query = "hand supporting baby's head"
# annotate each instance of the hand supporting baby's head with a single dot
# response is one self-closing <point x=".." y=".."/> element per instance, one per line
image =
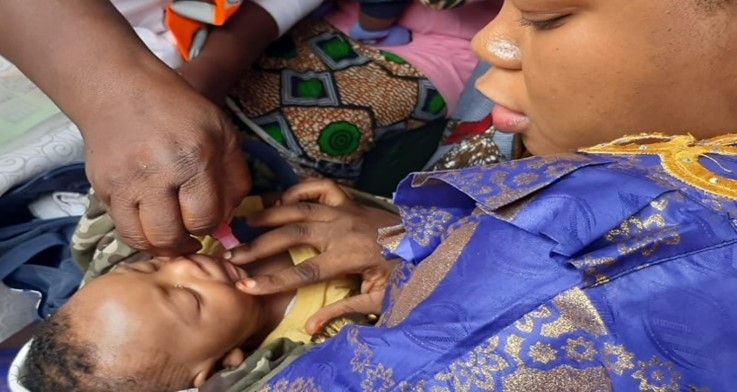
<point x="158" y="325"/>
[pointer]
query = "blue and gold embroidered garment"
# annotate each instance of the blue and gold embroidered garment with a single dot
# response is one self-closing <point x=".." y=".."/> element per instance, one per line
<point x="611" y="269"/>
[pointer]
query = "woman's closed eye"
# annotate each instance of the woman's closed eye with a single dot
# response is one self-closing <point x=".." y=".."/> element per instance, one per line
<point x="544" y="22"/>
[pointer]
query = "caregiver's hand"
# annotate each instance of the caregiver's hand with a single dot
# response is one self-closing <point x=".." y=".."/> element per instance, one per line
<point x="162" y="157"/>
<point x="317" y="213"/>
<point x="370" y="299"/>
<point x="167" y="165"/>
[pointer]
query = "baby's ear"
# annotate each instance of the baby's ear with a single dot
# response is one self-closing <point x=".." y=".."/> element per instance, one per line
<point x="234" y="358"/>
<point x="203" y="376"/>
<point x="231" y="360"/>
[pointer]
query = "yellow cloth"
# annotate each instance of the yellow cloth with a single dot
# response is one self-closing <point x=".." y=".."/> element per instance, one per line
<point x="308" y="300"/>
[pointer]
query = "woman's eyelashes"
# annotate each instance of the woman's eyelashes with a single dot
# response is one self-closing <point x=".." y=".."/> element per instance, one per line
<point x="547" y="23"/>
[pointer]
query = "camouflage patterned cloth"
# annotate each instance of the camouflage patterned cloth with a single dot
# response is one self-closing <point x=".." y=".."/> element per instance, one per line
<point x="96" y="245"/>
<point x="258" y="369"/>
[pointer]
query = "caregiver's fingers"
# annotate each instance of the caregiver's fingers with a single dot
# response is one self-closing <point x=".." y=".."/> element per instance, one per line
<point x="280" y="240"/>
<point x="126" y="216"/>
<point x="236" y="175"/>
<point x="202" y="203"/>
<point x="162" y="225"/>
<point x="292" y="213"/>
<point x="363" y="304"/>
<point x="303" y="274"/>
<point x="322" y="191"/>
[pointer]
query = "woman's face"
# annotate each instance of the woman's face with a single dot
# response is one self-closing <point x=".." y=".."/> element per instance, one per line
<point x="573" y="73"/>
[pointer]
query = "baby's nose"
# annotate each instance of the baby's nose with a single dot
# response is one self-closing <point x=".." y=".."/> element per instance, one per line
<point x="185" y="266"/>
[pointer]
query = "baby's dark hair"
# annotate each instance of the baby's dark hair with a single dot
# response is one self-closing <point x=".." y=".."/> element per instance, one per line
<point x="59" y="361"/>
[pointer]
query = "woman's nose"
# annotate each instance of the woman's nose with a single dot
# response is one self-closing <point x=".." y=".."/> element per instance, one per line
<point x="497" y="42"/>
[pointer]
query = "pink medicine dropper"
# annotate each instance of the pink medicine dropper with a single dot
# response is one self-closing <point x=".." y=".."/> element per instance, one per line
<point x="224" y="234"/>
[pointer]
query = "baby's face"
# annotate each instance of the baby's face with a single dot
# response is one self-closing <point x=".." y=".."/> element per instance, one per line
<point x="184" y="310"/>
<point x="588" y="71"/>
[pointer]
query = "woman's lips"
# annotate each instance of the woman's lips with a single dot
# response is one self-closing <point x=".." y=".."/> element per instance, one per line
<point x="509" y="121"/>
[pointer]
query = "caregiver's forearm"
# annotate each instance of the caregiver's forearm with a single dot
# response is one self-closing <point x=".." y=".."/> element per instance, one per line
<point x="82" y="53"/>
<point x="231" y="49"/>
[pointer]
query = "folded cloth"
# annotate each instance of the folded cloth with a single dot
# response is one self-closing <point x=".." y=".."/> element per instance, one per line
<point x="36" y="256"/>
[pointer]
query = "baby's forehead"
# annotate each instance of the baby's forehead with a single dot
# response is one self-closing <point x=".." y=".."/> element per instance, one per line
<point x="119" y="294"/>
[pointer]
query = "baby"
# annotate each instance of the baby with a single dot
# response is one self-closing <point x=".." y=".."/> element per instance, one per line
<point x="169" y="324"/>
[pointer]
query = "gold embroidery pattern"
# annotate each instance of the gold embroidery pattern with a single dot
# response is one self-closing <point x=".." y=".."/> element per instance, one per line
<point x="511" y="211"/>
<point x="648" y="235"/>
<point x="404" y="386"/>
<point x="429" y="273"/>
<point x="424" y="224"/>
<point x="514" y="348"/>
<point x="498" y="364"/>
<point x="379" y="379"/>
<point x="543" y="353"/>
<point x="396" y="283"/>
<point x="591" y="264"/>
<point x="391" y="237"/>
<point x="561" y="162"/>
<point x="476" y="369"/>
<point x="638" y="234"/>
<point x="469" y="183"/>
<point x="659" y="205"/>
<point x="558" y="170"/>
<point x="298" y="385"/>
<point x="527" y="322"/>
<point x="376" y="377"/>
<point x="525" y="179"/>
<point x="500" y="184"/>
<point x="563" y="378"/>
<point x="577" y="314"/>
<point x="617" y="359"/>
<point x="658" y="376"/>
<point x="680" y="158"/>
<point x="362" y="358"/>
<point x="580" y="349"/>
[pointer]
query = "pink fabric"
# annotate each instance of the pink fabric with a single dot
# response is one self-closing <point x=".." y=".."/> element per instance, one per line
<point x="441" y="41"/>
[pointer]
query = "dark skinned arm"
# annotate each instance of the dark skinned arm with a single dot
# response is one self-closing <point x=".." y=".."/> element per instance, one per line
<point x="230" y="50"/>
<point x="164" y="160"/>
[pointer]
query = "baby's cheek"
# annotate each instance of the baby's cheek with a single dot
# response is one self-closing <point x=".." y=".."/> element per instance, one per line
<point x="233" y="306"/>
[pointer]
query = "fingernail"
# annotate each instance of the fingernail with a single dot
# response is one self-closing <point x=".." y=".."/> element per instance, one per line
<point x="248" y="283"/>
<point x="228" y="255"/>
